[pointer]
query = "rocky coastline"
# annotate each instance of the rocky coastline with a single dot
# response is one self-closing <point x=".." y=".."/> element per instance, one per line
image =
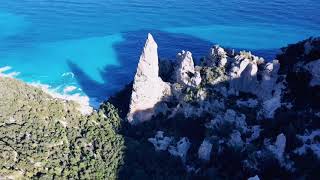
<point x="233" y="115"/>
<point x="263" y="111"/>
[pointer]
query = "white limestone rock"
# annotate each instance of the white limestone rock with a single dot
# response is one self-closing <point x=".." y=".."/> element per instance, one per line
<point x="243" y="77"/>
<point x="254" y="178"/>
<point x="181" y="149"/>
<point x="230" y="117"/>
<point x="269" y="77"/>
<point x="185" y="71"/>
<point x="204" y="151"/>
<point x="278" y="149"/>
<point x="148" y="87"/>
<point x="270" y="106"/>
<point x="243" y="74"/>
<point x="160" y="142"/>
<point x="217" y="57"/>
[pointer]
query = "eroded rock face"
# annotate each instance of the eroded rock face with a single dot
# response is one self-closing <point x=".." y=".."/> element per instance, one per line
<point x="243" y="103"/>
<point x="181" y="149"/>
<point x="217" y="57"/>
<point x="300" y="63"/>
<point x="204" y="151"/>
<point x="161" y="142"/>
<point x="185" y="71"/>
<point x="314" y="69"/>
<point x="148" y="87"/>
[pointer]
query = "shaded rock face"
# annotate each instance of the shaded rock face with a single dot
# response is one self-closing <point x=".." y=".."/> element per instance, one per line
<point x="148" y="87"/>
<point x="301" y="64"/>
<point x="304" y="51"/>
<point x="204" y="151"/>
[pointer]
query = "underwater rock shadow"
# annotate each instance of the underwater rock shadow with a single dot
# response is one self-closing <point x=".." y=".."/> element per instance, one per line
<point x="128" y="51"/>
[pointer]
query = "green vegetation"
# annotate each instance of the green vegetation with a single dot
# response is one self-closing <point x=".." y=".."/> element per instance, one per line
<point x="45" y="138"/>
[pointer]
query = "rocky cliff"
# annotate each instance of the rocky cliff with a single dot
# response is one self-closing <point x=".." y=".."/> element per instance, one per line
<point x="255" y="109"/>
<point x="148" y="88"/>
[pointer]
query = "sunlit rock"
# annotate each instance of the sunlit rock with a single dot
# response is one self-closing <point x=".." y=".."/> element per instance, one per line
<point x="148" y="87"/>
<point x="185" y="71"/>
<point x="217" y="57"/>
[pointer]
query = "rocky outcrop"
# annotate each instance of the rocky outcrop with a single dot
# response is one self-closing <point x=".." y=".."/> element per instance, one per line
<point x="160" y="142"/>
<point x="164" y="143"/>
<point x="241" y="102"/>
<point x="148" y="88"/>
<point x="181" y="149"/>
<point x="217" y="57"/>
<point x="185" y="71"/>
<point x="300" y="64"/>
<point x="204" y="152"/>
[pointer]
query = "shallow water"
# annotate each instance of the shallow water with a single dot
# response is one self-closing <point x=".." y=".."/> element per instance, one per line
<point x="99" y="41"/>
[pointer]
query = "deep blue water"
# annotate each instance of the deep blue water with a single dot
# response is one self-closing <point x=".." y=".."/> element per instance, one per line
<point x="100" y="41"/>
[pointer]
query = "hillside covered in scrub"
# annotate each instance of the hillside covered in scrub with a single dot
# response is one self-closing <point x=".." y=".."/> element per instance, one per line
<point x="46" y="138"/>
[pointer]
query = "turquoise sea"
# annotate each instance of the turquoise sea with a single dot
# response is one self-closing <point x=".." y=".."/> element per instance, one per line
<point x="95" y="44"/>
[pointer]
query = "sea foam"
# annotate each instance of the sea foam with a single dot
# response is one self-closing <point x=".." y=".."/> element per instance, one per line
<point x="82" y="100"/>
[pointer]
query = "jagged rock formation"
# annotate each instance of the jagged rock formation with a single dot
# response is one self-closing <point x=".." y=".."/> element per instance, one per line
<point x="204" y="151"/>
<point x="160" y="142"/>
<point x="185" y="71"/>
<point x="260" y="115"/>
<point x="244" y="102"/>
<point x="164" y="143"/>
<point x="180" y="149"/>
<point x="217" y="57"/>
<point x="148" y="87"/>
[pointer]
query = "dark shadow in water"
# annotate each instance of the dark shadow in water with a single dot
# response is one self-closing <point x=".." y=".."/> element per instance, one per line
<point x="128" y="52"/>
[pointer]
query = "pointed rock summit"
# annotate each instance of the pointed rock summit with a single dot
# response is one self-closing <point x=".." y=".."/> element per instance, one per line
<point x="148" y="87"/>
